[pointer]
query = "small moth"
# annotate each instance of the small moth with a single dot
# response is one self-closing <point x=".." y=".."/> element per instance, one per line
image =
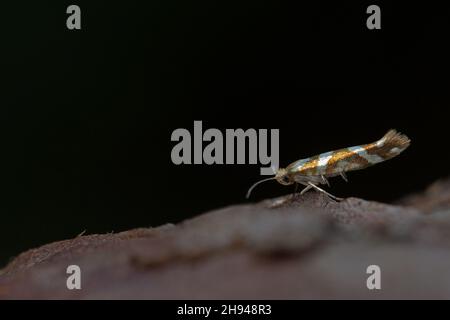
<point x="314" y="171"/>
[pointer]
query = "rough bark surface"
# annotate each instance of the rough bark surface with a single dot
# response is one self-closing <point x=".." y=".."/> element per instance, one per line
<point x="285" y="248"/>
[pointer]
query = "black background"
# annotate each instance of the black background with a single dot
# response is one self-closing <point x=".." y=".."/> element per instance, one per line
<point x="86" y="116"/>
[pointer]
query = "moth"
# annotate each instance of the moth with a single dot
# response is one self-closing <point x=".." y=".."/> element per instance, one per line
<point x="313" y="171"/>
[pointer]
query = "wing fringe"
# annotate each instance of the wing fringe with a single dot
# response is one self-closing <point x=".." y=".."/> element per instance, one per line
<point x="392" y="144"/>
<point x="394" y="139"/>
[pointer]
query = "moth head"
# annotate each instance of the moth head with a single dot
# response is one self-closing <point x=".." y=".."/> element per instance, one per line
<point x="283" y="178"/>
<point x="281" y="175"/>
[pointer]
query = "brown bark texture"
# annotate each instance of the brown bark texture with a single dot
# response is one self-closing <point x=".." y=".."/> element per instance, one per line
<point x="298" y="247"/>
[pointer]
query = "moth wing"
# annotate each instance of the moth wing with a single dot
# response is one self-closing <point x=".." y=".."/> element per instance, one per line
<point x="295" y="166"/>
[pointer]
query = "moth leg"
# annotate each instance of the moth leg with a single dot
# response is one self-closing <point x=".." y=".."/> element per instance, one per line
<point x="305" y="189"/>
<point x="344" y="176"/>
<point x="321" y="190"/>
<point x="295" y="190"/>
<point x="325" y="180"/>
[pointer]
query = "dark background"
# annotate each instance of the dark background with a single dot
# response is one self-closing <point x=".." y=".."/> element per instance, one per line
<point x="86" y="116"/>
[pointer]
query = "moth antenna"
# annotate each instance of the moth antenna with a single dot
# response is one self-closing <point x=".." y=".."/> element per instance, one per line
<point x="255" y="184"/>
